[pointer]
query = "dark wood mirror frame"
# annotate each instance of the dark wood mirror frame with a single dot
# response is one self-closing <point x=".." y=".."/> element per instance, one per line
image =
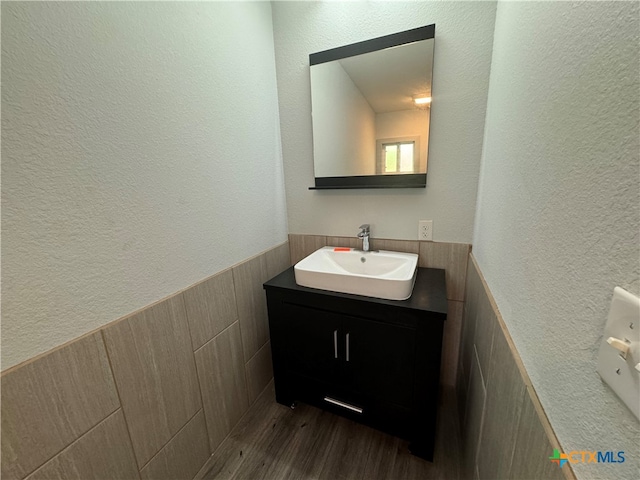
<point x="415" y="180"/>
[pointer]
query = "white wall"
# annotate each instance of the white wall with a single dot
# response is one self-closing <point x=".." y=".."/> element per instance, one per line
<point x="347" y="143"/>
<point x="558" y="219"/>
<point x="406" y="123"/>
<point x="462" y="57"/>
<point x="140" y="154"/>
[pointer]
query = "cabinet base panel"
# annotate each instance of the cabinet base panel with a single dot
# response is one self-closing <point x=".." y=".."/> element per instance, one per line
<point x="420" y="450"/>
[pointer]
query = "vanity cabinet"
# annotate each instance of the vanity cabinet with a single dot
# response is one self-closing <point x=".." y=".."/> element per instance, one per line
<point x="372" y="360"/>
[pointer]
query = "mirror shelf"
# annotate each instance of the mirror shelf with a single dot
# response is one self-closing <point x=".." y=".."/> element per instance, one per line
<point x="416" y="180"/>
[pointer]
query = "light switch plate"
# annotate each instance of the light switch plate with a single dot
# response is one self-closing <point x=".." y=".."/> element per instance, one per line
<point x="616" y="368"/>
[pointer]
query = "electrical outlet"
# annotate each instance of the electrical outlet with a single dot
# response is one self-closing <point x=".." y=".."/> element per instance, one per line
<point x="425" y="230"/>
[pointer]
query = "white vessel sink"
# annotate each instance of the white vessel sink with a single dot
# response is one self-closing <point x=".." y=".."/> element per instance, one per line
<point x="381" y="274"/>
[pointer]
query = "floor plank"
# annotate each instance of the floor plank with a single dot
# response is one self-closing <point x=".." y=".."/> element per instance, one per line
<point x="275" y="442"/>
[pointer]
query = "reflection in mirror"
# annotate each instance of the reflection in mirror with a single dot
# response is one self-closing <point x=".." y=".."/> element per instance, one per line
<point x="371" y="106"/>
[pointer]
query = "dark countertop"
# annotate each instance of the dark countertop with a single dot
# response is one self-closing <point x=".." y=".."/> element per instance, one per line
<point x="429" y="292"/>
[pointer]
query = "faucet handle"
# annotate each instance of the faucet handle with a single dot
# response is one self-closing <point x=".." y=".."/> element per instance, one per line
<point x="365" y="227"/>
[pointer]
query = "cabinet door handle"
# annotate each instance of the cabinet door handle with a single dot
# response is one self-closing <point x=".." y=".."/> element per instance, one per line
<point x="347" y="352"/>
<point x="335" y="344"/>
<point x="343" y="404"/>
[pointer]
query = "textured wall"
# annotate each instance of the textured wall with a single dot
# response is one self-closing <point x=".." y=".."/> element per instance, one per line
<point x="464" y="35"/>
<point x="140" y="154"/>
<point x="558" y="219"/>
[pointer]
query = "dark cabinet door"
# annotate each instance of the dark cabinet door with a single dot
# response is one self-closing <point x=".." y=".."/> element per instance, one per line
<point x="379" y="360"/>
<point x="366" y="357"/>
<point x="313" y="340"/>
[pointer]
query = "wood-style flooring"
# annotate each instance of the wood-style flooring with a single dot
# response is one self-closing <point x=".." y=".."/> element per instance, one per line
<point x="274" y="442"/>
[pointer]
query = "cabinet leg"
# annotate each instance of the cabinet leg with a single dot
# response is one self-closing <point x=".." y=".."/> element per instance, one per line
<point x="286" y="400"/>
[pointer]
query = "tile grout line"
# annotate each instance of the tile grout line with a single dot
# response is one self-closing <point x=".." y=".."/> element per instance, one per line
<point x="246" y="370"/>
<point x="236" y="320"/>
<point x="290" y="252"/>
<point x="477" y="360"/>
<point x="239" y="420"/>
<point x="484" y="407"/>
<point x="55" y="349"/>
<point x="258" y="351"/>
<point x="72" y="443"/>
<point x="518" y="423"/>
<point x="195" y="366"/>
<point x="244" y="363"/>
<point x="458" y="344"/>
<point x="115" y="384"/>
<point x="186" y="316"/>
<point x="172" y="437"/>
<point x="234" y="427"/>
<point x="490" y="353"/>
<point x="206" y="423"/>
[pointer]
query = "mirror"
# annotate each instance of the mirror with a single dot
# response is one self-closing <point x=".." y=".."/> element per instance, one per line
<point x="370" y="105"/>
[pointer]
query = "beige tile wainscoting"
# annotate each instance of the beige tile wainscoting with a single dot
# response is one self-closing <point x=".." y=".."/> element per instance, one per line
<point x="450" y="256"/>
<point x="505" y="432"/>
<point x="154" y="394"/>
<point x="148" y="396"/>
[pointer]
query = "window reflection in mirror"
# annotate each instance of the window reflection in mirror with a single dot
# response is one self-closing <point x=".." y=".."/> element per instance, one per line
<point x="398" y="155"/>
<point x="371" y="110"/>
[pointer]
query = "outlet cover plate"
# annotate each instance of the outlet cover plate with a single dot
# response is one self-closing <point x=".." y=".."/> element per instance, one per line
<point x="425" y="230"/>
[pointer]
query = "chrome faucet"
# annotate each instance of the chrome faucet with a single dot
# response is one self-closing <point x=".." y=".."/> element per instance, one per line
<point x="364" y="235"/>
